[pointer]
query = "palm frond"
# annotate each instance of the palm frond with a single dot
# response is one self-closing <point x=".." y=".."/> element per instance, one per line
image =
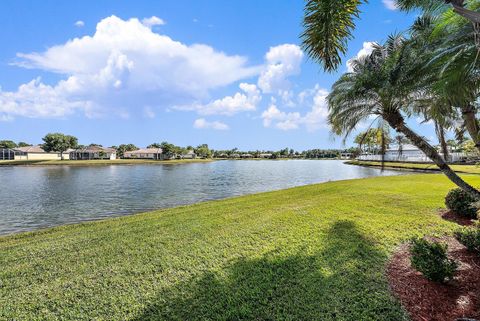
<point x="328" y="26"/>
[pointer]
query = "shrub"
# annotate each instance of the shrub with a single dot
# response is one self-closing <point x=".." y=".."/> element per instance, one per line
<point x="470" y="237"/>
<point x="430" y="258"/>
<point x="461" y="203"/>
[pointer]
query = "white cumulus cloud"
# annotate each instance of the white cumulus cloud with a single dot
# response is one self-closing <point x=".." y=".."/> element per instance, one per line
<point x="313" y="120"/>
<point x="124" y="65"/>
<point x="153" y="21"/>
<point x="317" y="117"/>
<point x="365" y="51"/>
<point x="37" y="100"/>
<point x="390" y="4"/>
<point x="282" y="62"/>
<point x="79" y="23"/>
<point x="202" y="123"/>
<point x="280" y="119"/>
<point x="246" y="100"/>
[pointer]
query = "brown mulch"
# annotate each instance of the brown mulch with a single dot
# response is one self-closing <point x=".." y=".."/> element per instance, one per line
<point x="427" y="300"/>
<point x="454" y="217"/>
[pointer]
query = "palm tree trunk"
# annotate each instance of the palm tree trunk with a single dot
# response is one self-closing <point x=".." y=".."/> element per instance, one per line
<point x="471" y="123"/>
<point x="441" y="138"/>
<point x="383" y="147"/>
<point x="395" y="119"/>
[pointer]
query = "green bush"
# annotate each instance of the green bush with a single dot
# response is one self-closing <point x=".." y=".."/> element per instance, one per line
<point x="461" y="203"/>
<point x="430" y="258"/>
<point x="470" y="237"/>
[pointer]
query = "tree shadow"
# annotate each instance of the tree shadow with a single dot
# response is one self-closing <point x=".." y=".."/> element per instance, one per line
<point x="343" y="281"/>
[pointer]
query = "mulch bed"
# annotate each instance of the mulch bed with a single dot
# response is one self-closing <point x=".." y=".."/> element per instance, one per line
<point x="453" y="217"/>
<point x="427" y="300"/>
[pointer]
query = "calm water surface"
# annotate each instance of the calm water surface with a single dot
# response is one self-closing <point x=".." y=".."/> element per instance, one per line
<point x="36" y="197"/>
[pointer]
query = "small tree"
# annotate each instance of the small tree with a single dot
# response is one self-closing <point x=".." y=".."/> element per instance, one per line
<point x="58" y="142"/>
<point x="125" y="148"/>
<point x="154" y="145"/>
<point x="400" y="140"/>
<point x="23" y="144"/>
<point x="7" y="144"/>
<point x="203" y="151"/>
<point x="168" y="149"/>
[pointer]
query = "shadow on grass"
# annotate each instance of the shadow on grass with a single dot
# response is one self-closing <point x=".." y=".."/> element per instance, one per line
<point x="343" y="281"/>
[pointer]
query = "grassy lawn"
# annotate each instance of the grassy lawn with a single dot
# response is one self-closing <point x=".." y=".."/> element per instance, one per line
<point x="95" y="162"/>
<point x="467" y="169"/>
<point x="309" y="253"/>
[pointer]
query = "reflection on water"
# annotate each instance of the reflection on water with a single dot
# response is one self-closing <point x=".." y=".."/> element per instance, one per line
<point x="35" y="197"/>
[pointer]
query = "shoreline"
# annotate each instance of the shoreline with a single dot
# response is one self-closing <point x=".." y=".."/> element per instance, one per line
<point x="416" y="167"/>
<point x="30" y="163"/>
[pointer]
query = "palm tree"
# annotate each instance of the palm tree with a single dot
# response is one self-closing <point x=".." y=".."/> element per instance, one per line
<point x="440" y="131"/>
<point x="381" y="85"/>
<point x="452" y="46"/>
<point x="451" y="74"/>
<point x="328" y="25"/>
<point x="455" y="63"/>
<point x="400" y="140"/>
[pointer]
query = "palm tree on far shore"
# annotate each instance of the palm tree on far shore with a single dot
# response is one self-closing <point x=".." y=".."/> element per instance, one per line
<point x="400" y="140"/>
<point x="381" y="85"/>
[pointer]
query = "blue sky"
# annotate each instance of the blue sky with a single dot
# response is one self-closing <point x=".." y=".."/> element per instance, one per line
<point x="226" y="73"/>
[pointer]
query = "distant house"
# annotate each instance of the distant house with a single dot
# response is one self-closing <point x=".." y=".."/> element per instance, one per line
<point x="146" y="153"/>
<point x="246" y="156"/>
<point x="37" y="153"/>
<point x="406" y="152"/>
<point x="189" y="155"/>
<point x="93" y="152"/>
<point x="235" y="156"/>
<point x="265" y="155"/>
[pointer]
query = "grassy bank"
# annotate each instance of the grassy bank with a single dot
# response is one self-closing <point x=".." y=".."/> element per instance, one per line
<point x="308" y="253"/>
<point x="95" y="162"/>
<point x="466" y="169"/>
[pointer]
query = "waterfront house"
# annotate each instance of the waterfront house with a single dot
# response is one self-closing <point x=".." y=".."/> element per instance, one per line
<point x="265" y="155"/>
<point x="146" y="153"/>
<point x="346" y="155"/>
<point x="189" y="155"/>
<point x="408" y="153"/>
<point x="246" y="156"/>
<point x="93" y="152"/>
<point x="37" y="153"/>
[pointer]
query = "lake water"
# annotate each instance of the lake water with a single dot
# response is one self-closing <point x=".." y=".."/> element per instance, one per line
<point x="37" y="197"/>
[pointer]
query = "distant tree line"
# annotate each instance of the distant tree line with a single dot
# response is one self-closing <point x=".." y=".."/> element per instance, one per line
<point x="58" y="142"/>
<point x="11" y="144"/>
<point x="286" y="153"/>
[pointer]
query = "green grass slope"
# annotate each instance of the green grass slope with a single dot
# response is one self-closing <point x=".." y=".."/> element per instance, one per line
<point x="309" y="253"/>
